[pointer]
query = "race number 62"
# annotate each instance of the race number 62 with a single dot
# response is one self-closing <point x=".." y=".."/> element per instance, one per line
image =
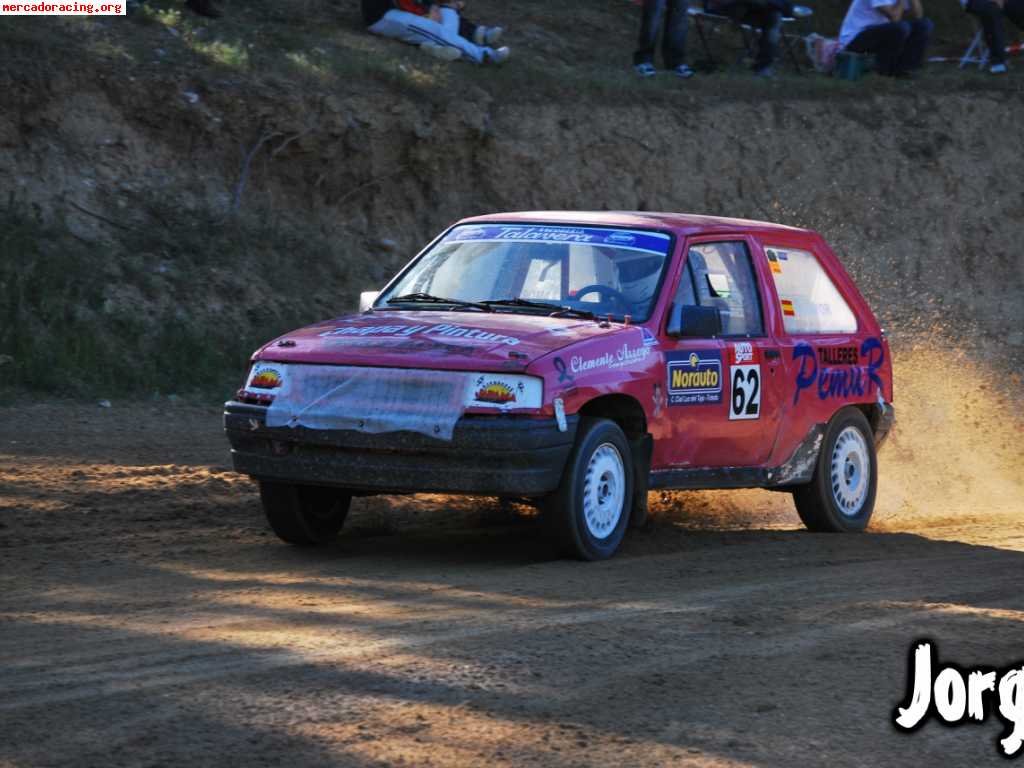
<point x="746" y="392"/>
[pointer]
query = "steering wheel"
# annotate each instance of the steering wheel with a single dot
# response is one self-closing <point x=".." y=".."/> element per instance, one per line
<point x="605" y="291"/>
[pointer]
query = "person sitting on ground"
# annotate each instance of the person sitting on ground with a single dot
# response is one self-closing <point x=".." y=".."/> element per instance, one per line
<point x="203" y="8"/>
<point x="673" y="44"/>
<point x="990" y="13"/>
<point x="896" y="32"/>
<point x="766" y="16"/>
<point x="435" y="29"/>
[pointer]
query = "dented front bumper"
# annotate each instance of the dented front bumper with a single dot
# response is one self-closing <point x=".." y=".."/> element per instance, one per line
<point x="489" y="455"/>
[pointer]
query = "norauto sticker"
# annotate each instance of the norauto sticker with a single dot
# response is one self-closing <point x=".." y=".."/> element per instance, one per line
<point x="634" y="240"/>
<point x="694" y="377"/>
<point x="266" y="377"/>
<point x="444" y="330"/>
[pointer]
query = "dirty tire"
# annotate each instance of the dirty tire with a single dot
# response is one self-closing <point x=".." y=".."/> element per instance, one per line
<point x="304" y="514"/>
<point x="841" y="495"/>
<point x="587" y="516"/>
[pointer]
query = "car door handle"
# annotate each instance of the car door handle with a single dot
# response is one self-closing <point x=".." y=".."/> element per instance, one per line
<point x="771" y="354"/>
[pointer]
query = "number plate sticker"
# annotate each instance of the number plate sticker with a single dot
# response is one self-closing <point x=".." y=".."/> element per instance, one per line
<point x="745" y="402"/>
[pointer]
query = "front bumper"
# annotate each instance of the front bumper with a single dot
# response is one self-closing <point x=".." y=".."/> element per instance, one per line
<point x="489" y="455"/>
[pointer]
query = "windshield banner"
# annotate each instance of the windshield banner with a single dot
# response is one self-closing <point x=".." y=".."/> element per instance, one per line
<point x="629" y="239"/>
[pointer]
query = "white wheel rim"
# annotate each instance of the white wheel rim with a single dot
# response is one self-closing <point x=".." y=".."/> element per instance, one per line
<point x="851" y="471"/>
<point x="604" y="491"/>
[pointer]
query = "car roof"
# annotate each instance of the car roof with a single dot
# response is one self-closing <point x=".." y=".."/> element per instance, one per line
<point x="682" y="223"/>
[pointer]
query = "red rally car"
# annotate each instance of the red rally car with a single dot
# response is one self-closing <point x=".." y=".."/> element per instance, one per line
<point x="579" y="359"/>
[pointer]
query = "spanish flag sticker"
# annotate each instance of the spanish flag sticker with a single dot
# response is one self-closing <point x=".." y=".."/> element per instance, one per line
<point x="787" y="308"/>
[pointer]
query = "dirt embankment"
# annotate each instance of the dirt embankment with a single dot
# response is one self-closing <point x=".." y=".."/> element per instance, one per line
<point x="220" y="206"/>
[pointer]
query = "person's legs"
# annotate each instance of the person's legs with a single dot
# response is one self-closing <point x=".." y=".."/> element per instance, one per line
<point x="1014" y="11"/>
<point x="991" y="19"/>
<point x="674" y="42"/>
<point x="912" y="56"/>
<point x="467" y="28"/>
<point x="885" y="41"/>
<point x="650" y="25"/>
<point x="769" y="21"/>
<point x="417" y="30"/>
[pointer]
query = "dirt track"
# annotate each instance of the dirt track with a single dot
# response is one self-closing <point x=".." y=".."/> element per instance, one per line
<point x="148" y="617"/>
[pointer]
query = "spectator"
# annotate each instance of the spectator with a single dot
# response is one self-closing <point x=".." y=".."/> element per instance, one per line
<point x="673" y="44"/>
<point x="435" y="29"/>
<point x="895" y="32"/>
<point x="767" y="16"/>
<point x="203" y="8"/>
<point x="990" y="13"/>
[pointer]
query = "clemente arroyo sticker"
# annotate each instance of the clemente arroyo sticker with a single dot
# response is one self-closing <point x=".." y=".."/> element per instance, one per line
<point x="694" y="377"/>
<point x="953" y="695"/>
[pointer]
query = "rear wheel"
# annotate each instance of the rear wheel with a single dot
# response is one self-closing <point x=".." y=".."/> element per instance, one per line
<point x="841" y="495"/>
<point x="304" y="514"/>
<point x="588" y="514"/>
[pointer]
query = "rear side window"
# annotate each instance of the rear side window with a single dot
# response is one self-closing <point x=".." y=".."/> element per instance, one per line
<point x="810" y="301"/>
<point x="723" y="277"/>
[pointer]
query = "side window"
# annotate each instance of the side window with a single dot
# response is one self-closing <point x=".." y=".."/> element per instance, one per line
<point x="810" y="301"/>
<point x="684" y="293"/>
<point x="724" y="278"/>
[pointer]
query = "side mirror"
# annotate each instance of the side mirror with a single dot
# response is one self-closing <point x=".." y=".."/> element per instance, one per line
<point x="686" y="320"/>
<point x="366" y="299"/>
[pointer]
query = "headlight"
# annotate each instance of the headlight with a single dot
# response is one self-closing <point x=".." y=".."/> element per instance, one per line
<point x="504" y="391"/>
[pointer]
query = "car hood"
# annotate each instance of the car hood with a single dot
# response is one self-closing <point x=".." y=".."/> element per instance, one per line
<point x="433" y="339"/>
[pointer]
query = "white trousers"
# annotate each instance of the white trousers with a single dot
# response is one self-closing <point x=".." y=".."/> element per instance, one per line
<point x="416" y="30"/>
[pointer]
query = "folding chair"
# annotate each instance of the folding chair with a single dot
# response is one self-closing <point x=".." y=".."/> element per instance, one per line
<point x="977" y="51"/>
<point x="789" y="43"/>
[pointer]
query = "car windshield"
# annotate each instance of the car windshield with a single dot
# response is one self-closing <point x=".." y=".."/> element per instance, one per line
<point x="533" y="268"/>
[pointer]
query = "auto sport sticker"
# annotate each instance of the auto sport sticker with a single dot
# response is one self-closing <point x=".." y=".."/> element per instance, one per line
<point x="838" y="372"/>
<point x="266" y="377"/>
<point x="953" y="696"/>
<point x="445" y="331"/>
<point x="628" y="239"/>
<point x="489" y="390"/>
<point x="742" y="352"/>
<point x="694" y="377"/>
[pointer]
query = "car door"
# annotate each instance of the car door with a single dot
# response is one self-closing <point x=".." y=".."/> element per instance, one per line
<point x="723" y="391"/>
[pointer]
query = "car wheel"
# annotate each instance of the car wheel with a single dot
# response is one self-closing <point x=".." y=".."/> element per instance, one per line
<point x="841" y="495"/>
<point x="588" y="515"/>
<point x="304" y="514"/>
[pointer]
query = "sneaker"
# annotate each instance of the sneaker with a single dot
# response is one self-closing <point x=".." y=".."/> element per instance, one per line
<point x="442" y="52"/>
<point x="998" y="69"/>
<point x="488" y="35"/>
<point x="498" y="55"/>
<point x="684" y="71"/>
<point x="766" y="72"/>
<point x="801" y="11"/>
<point x="646" y="69"/>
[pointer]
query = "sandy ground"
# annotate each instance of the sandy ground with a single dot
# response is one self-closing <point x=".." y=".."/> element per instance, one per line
<point x="148" y="617"/>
